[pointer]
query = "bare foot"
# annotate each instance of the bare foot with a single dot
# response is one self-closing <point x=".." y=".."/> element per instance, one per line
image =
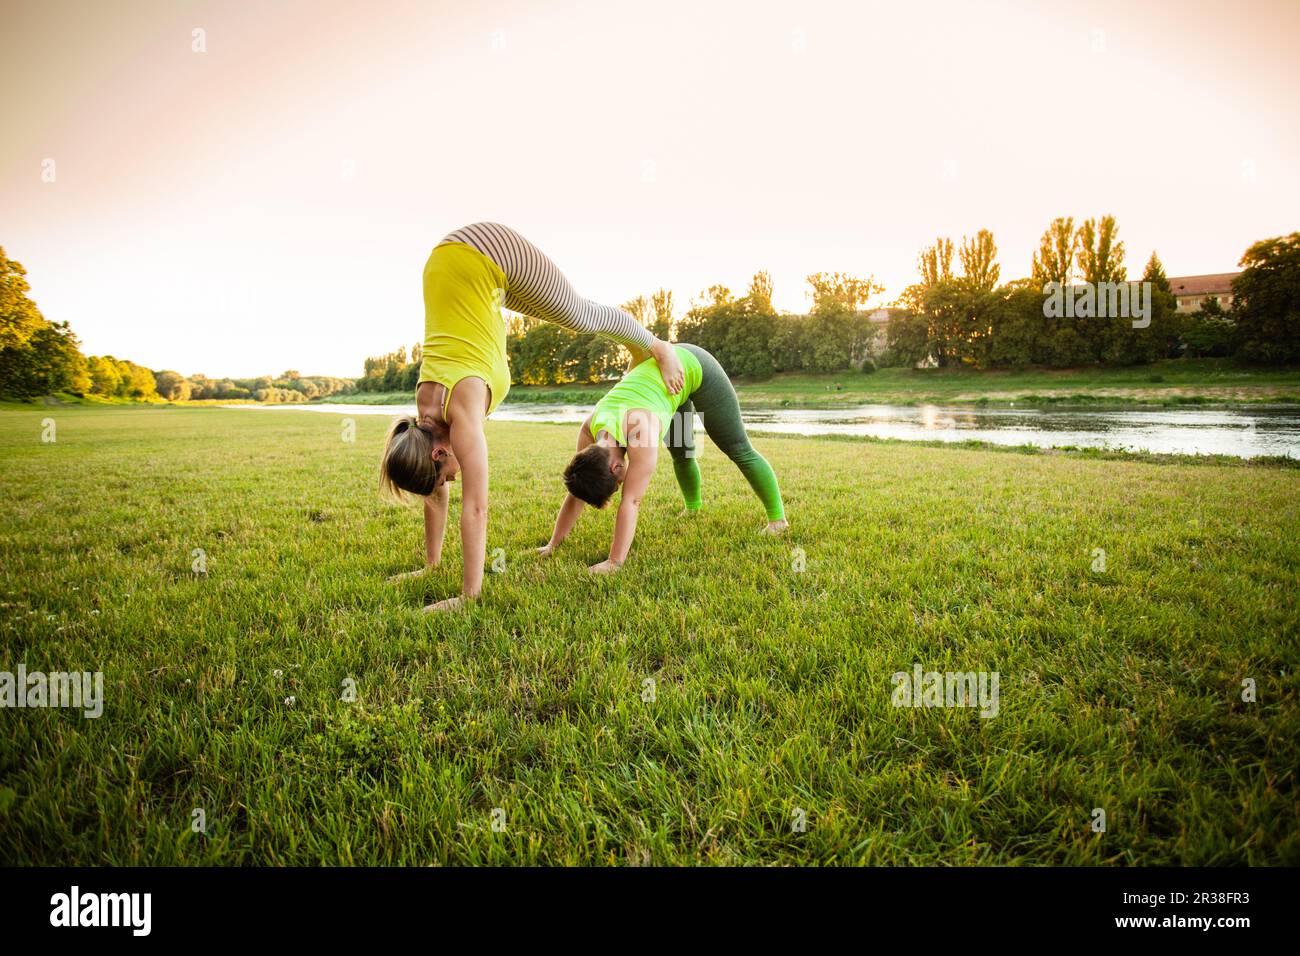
<point x="670" y="366"/>
<point x="450" y="604"/>
<point x="408" y="575"/>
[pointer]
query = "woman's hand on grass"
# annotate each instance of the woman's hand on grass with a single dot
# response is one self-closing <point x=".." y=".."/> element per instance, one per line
<point x="605" y="567"/>
<point x="670" y="366"/>
<point x="448" y="604"/>
<point x="545" y="551"/>
<point x="408" y="575"/>
<point x="776" y="527"/>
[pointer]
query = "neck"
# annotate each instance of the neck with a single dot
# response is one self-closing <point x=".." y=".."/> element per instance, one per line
<point x="606" y="440"/>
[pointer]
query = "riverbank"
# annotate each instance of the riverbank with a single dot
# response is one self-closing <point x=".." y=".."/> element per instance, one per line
<point x="1120" y="603"/>
<point x="1175" y="382"/>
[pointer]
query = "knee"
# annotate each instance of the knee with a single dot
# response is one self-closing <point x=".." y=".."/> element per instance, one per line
<point x="742" y="454"/>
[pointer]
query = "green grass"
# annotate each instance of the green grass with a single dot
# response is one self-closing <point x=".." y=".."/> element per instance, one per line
<point x="1171" y="383"/>
<point x="1119" y="690"/>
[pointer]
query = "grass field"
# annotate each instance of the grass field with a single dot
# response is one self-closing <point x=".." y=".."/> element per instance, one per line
<point x="771" y="694"/>
<point x="1173" y="382"/>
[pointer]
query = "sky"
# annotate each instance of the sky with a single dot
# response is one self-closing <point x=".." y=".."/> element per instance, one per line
<point x="262" y="195"/>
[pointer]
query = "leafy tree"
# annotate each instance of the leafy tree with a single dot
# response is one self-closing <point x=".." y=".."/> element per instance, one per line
<point x="1155" y="274"/>
<point x="661" y="306"/>
<point x="137" y="382"/>
<point x="716" y="295"/>
<point x="979" y="261"/>
<point x="1100" y="257"/>
<point x="104" y="377"/>
<point x="1016" y="326"/>
<point x="639" y="309"/>
<point x="1266" y="300"/>
<point x="935" y="263"/>
<point x="738" y="332"/>
<point x="37" y="357"/>
<point x="48" y="361"/>
<point x="173" y="386"/>
<point x="1210" y="331"/>
<point x="19" y="317"/>
<point x="1054" y="260"/>
<point x="907" y="340"/>
<point x="541" y="353"/>
<point x="1161" y="338"/>
<point x="839" y="290"/>
<point x="787" y="345"/>
<point x="834" y="338"/>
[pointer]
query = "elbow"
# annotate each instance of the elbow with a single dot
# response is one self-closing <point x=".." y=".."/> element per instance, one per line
<point x="477" y="510"/>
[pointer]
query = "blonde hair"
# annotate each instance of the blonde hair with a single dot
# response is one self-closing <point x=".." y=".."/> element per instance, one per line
<point x="407" y="464"/>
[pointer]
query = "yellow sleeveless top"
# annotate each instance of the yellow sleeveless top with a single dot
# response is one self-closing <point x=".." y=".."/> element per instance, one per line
<point x="464" y="331"/>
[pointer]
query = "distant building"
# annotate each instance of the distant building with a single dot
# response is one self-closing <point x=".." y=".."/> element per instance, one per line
<point x="1190" y="290"/>
<point x="879" y="319"/>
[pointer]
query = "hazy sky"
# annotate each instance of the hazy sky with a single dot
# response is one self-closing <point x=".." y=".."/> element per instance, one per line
<point x="269" y="203"/>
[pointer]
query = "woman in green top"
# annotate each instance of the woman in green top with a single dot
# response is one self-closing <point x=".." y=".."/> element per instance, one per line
<point x="618" y="444"/>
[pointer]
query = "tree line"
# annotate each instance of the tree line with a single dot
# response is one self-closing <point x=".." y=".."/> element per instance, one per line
<point x="964" y="317"/>
<point x="40" y="357"/>
<point x="747" y="334"/>
<point x="957" y="314"/>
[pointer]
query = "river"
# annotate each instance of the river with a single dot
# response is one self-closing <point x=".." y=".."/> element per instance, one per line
<point x="1241" y="431"/>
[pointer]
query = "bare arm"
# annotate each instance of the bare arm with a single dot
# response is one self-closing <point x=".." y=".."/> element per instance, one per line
<point x="466" y="412"/>
<point x="426" y="401"/>
<point x="435" y="528"/>
<point x="435" y="505"/>
<point x="641" y="467"/>
<point x="642" y="456"/>
<point x="568" y="515"/>
<point x="435" y="524"/>
<point x="571" y="509"/>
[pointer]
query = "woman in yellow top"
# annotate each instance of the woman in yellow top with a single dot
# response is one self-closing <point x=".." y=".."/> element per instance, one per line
<point x="474" y="272"/>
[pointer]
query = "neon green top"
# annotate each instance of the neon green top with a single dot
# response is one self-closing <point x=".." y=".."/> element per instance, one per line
<point x="644" y="387"/>
<point x="464" y="331"/>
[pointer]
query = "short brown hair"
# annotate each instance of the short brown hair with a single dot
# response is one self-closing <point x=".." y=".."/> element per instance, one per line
<point x="588" y="476"/>
<point x="407" y="464"/>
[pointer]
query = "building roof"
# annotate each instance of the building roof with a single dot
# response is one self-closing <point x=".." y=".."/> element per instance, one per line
<point x="1214" y="284"/>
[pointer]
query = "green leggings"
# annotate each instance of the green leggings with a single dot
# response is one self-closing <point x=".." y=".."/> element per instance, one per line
<point x="715" y="401"/>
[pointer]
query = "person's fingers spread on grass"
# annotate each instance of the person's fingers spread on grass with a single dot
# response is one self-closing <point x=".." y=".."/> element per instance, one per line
<point x="545" y="551"/>
<point x="776" y="527"/>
